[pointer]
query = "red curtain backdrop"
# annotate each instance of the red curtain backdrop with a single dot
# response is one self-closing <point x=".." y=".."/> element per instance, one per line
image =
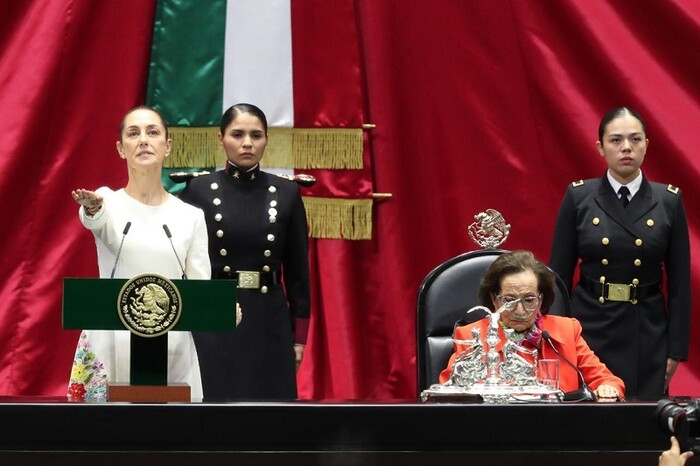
<point x="69" y="70"/>
<point x="477" y="105"/>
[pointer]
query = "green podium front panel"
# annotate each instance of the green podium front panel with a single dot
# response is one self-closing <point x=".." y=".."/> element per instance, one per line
<point x="91" y="304"/>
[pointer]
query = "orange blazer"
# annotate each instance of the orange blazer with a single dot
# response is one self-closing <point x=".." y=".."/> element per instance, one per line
<point x="566" y="336"/>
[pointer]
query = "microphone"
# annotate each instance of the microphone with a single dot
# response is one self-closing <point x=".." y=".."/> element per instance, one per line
<point x="170" y="237"/>
<point x="582" y="394"/>
<point x="119" y="251"/>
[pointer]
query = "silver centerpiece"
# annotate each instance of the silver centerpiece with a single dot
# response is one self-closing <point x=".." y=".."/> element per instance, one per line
<point x="482" y="373"/>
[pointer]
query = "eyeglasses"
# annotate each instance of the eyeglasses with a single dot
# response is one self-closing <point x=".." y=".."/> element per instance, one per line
<point x="509" y="303"/>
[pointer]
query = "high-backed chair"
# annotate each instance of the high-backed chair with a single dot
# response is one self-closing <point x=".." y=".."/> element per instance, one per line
<point x="444" y="298"/>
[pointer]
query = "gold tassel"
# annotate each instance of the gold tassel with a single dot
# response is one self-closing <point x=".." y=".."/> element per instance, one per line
<point x="195" y="147"/>
<point x="304" y="148"/>
<point x="337" y="148"/>
<point x="339" y="218"/>
<point x="322" y="148"/>
<point x="278" y="153"/>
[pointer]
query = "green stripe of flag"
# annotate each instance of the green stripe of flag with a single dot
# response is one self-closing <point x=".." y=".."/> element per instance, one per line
<point x="185" y="80"/>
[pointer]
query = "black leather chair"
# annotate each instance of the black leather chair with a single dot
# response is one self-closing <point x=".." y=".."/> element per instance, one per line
<point x="444" y="298"/>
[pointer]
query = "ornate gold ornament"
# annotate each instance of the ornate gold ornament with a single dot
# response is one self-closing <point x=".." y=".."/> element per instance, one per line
<point x="149" y="305"/>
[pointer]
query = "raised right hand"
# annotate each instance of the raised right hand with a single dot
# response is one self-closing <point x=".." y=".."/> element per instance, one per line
<point x="87" y="198"/>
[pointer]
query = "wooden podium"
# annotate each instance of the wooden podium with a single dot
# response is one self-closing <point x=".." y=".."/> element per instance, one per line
<point x="93" y="304"/>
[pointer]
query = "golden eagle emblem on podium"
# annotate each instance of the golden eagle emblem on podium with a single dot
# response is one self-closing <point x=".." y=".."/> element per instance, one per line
<point x="149" y="305"/>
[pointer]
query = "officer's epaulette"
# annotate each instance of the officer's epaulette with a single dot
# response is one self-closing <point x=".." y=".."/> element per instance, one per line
<point x="182" y="177"/>
<point x="672" y="189"/>
<point x="578" y="183"/>
<point x="301" y="179"/>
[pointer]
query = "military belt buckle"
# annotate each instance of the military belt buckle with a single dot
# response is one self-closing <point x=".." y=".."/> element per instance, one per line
<point x="618" y="292"/>
<point x="248" y="280"/>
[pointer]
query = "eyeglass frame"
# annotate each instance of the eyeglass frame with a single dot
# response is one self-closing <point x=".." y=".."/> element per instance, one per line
<point x="512" y="305"/>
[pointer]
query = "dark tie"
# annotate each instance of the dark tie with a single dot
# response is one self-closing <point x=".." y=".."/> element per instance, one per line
<point x="624" y="192"/>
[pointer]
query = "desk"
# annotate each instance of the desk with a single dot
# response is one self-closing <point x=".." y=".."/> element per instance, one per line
<point x="33" y="431"/>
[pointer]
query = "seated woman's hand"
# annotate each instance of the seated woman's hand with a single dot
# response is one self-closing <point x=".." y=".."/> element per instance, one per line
<point x="607" y="394"/>
<point x="239" y="314"/>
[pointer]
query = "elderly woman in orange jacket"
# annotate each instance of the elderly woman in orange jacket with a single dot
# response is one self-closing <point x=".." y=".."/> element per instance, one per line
<point x="526" y="287"/>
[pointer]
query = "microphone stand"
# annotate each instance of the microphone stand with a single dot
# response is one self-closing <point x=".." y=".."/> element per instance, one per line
<point x="582" y="394"/>
<point x="170" y="237"/>
<point x="119" y="251"/>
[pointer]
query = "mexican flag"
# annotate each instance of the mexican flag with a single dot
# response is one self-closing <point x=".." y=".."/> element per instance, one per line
<point x="298" y="60"/>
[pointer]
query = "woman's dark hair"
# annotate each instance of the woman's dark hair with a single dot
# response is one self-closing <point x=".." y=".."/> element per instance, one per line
<point x="618" y="112"/>
<point x="235" y="110"/>
<point x="143" y="107"/>
<point x="511" y="263"/>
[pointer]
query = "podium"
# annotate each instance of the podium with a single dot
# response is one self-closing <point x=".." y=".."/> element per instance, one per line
<point x="105" y="304"/>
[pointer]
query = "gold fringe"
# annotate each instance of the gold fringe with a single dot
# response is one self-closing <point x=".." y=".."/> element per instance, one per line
<point x="339" y="218"/>
<point x="195" y="147"/>
<point x="335" y="148"/>
<point x="324" y="148"/>
<point x="278" y="153"/>
<point x="304" y="148"/>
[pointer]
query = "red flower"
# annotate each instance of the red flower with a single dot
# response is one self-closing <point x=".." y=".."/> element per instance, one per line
<point x="76" y="392"/>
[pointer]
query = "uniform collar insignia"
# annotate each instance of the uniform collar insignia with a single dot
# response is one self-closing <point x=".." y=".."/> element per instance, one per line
<point x="240" y="174"/>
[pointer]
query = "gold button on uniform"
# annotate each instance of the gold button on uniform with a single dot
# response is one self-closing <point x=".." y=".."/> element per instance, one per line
<point x="596" y="221"/>
<point x="638" y="242"/>
<point x="601" y="300"/>
<point x="267" y="253"/>
<point x="272" y="189"/>
<point x="227" y="269"/>
<point x="273" y="219"/>
<point x="270" y="237"/>
<point x="266" y="268"/>
<point x="273" y="203"/>
<point x="263" y="289"/>
<point x="604" y="262"/>
<point x="650" y="223"/>
<point x="217" y="217"/>
<point x="635" y="282"/>
<point x="223" y="252"/>
<point x="602" y="279"/>
<point x="216" y="201"/>
<point x="637" y="262"/>
<point x="214" y="186"/>
<point x="605" y="241"/>
<point x="220" y="233"/>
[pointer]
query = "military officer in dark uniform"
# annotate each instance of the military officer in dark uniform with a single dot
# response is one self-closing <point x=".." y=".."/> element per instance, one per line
<point x="630" y="235"/>
<point x="258" y="234"/>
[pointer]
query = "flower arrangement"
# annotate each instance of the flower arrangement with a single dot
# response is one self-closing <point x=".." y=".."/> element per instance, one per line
<point x="88" y="380"/>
